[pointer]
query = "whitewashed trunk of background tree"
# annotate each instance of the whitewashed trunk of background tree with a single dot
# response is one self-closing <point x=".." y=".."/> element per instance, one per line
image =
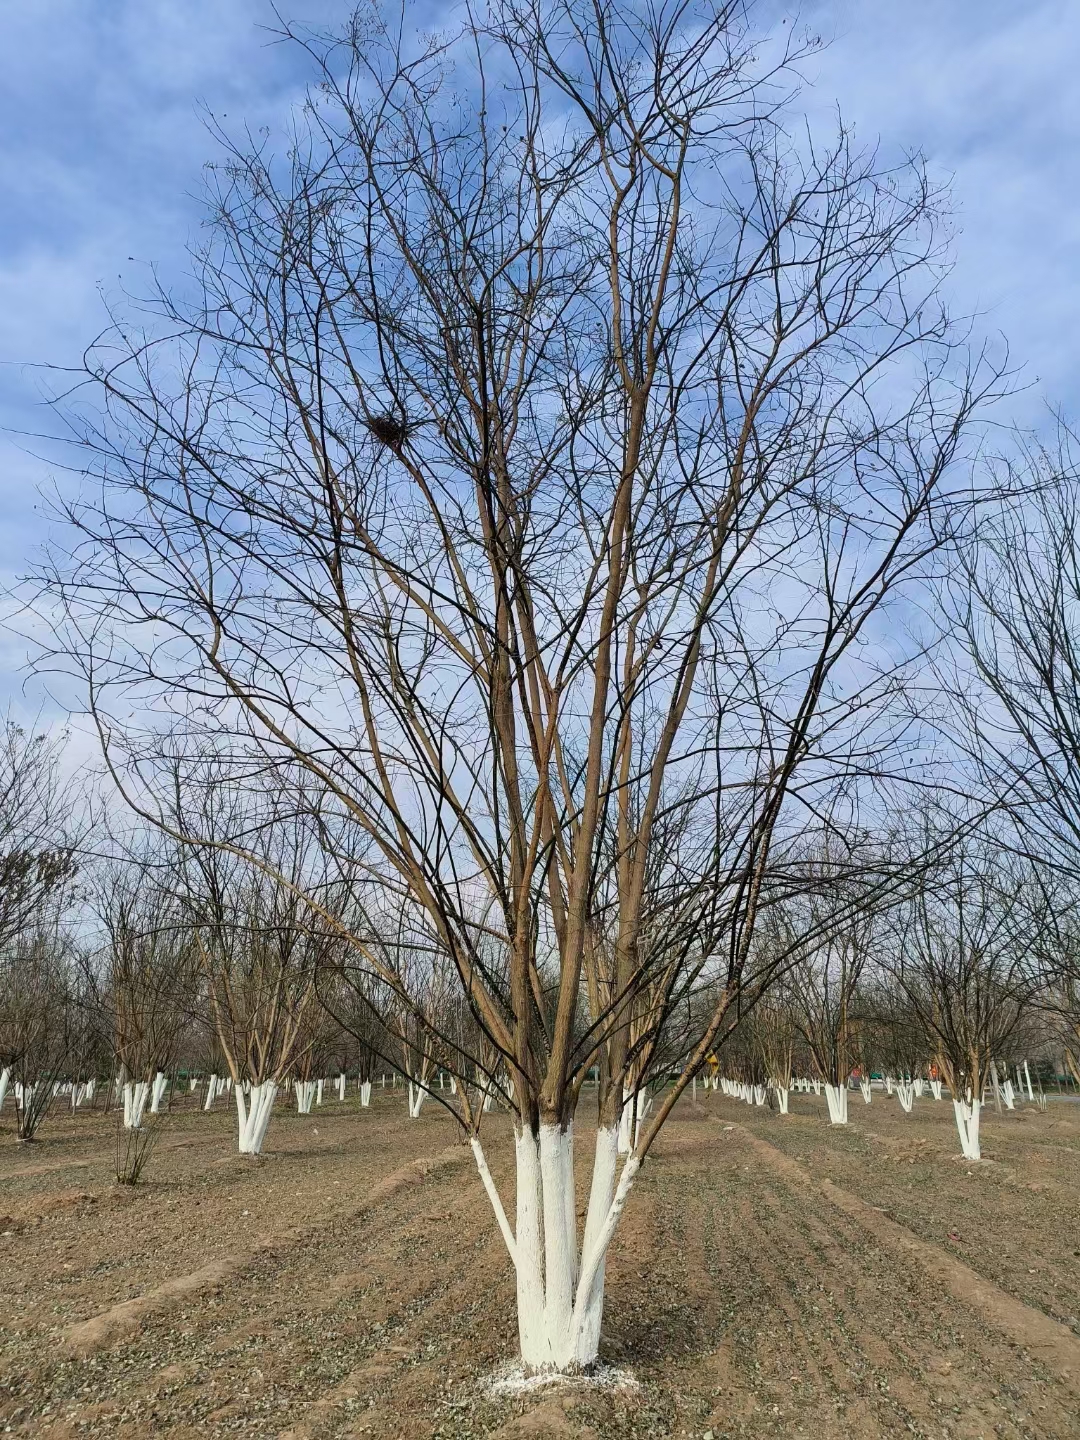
<point x="920" y="1086"/>
<point x="341" y="1087"/>
<point x="560" y="1288"/>
<point x="135" y="1096"/>
<point x="782" y="1096"/>
<point x="1027" y="1077"/>
<point x="905" y="1093"/>
<point x="633" y="1113"/>
<point x="836" y="1099"/>
<point x="867" y="1092"/>
<point x="1008" y="1094"/>
<point x="319" y="1091"/>
<point x="305" y="1095"/>
<point x="417" y="1096"/>
<point x="935" y="1089"/>
<point x="157" y="1093"/>
<point x="253" y="1112"/>
<point x="211" y="1092"/>
<point x="5" y="1081"/>
<point x="967" y="1125"/>
<point x="365" y="1094"/>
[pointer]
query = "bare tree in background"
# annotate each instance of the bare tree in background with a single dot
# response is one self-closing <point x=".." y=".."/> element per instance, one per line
<point x="776" y="1035"/>
<point x="555" y="427"/>
<point x="43" y="1022"/>
<point x="820" y="988"/>
<point x="1017" y="607"/>
<point x="966" y="955"/>
<point x="37" y="846"/>
<point x="146" y="981"/>
<point x="259" y="942"/>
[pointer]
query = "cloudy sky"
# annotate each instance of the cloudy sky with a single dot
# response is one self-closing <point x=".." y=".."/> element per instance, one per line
<point x="103" y="139"/>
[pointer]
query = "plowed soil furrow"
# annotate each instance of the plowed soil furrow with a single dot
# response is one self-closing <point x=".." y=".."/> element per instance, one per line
<point x="742" y="1294"/>
<point x="893" y="1333"/>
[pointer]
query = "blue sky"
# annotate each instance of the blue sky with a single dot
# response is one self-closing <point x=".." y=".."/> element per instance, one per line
<point x="102" y="143"/>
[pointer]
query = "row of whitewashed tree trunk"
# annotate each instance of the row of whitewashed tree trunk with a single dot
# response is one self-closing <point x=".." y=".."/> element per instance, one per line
<point x="967" y="1107"/>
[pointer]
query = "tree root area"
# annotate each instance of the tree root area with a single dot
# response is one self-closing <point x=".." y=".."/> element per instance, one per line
<point x="774" y="1278"/>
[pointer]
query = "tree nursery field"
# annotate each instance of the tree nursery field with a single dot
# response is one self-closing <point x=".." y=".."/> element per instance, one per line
<point x="772" y="1276"/>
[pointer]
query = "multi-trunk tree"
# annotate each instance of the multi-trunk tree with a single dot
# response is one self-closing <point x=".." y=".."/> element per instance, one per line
<point x="551" y="433"/>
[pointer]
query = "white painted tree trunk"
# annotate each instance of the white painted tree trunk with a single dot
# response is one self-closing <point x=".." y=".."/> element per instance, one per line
<point x="836" y="1099"/>
<point x="633" y="1113"/>
<point x="935" y="1089"/>
<point x="560" y="1290"/>
<point x="417" y="1096"/>
<point x="888" y="1084"/>
<point x="5" y="1081"/>
<point x="1027" y="1077"/>
<point x="905" y="1093"/>
<point x="157" y="1093"/>
<point x="365" y="1094"/>
<point x="782" y="1099"/>
<point x="254" y="1115"/>
<point x="305" y="1095"/>
<point x="319" y="1091"/>
<point x="867" y="1092"/>
<point x="920" y="1086"/>
<point x="211" y="1092"/>
<point x="1008" y="1094"/>
<point x="135" y="1097"/>
<point x="967" y="1125"/>
<point x="341" y="1087"/>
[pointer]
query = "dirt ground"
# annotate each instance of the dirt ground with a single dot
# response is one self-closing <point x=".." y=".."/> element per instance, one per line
<point x="771" y="1277"/>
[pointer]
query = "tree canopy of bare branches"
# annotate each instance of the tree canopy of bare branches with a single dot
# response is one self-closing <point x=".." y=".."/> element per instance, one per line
<point x="551" y="434"/>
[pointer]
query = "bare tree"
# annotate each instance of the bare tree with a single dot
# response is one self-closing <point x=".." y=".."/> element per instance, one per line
<point x="37" y="843"/>
<point x="259" y="945"/>
<point x="1017" y="700"/>
<point x="146" y="982"/>
<point x="776" y="1034"/>
<point x="552" y="434"/>
<point x="966" y="957"/>
<point x="43" y="1026"/>
<point x="820" y="988"/>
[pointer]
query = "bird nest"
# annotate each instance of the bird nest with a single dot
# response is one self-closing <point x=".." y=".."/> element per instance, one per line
<point x="389" y="430"/>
